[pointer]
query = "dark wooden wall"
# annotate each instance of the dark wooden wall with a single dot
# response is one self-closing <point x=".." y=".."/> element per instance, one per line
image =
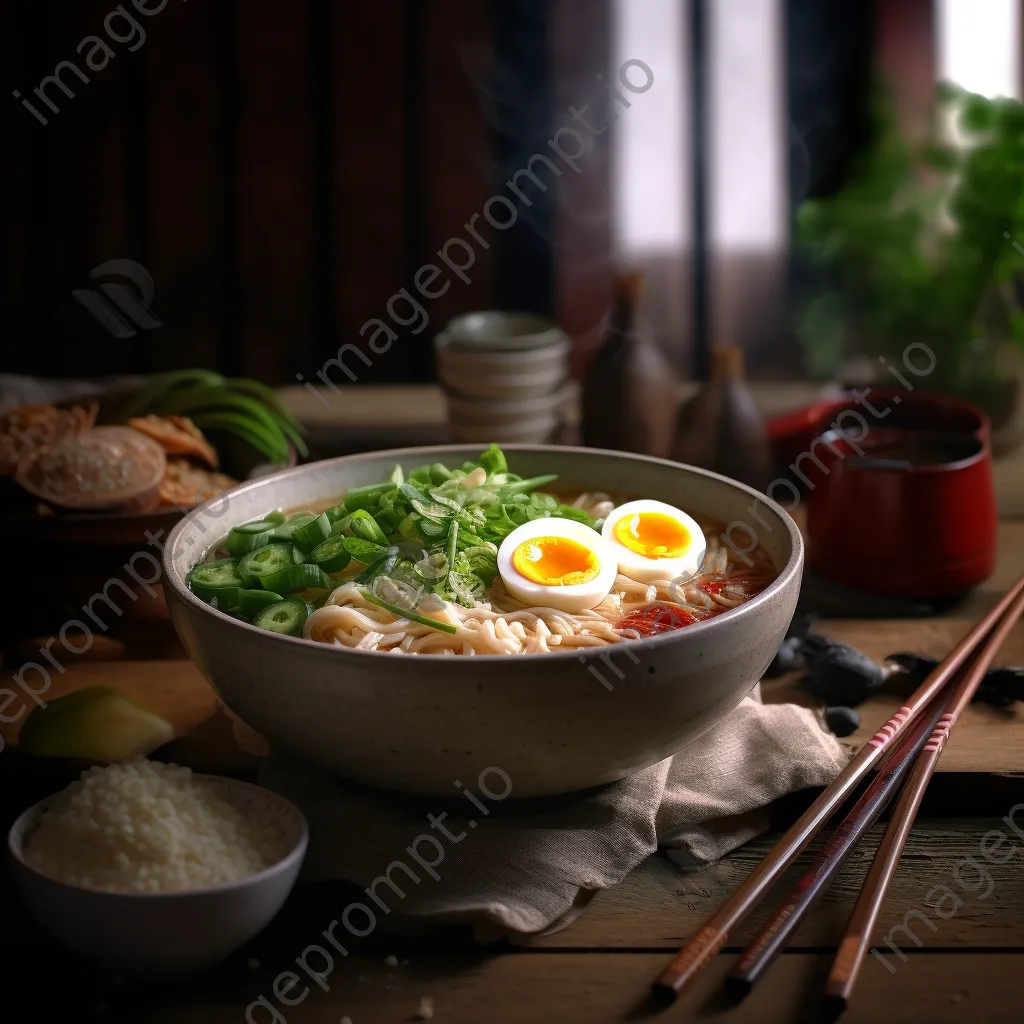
<point x="281" y="170"/>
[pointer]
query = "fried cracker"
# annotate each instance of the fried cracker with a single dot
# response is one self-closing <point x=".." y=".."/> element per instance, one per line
<point x="177" y="435"/>
<point x="186" y="485"/>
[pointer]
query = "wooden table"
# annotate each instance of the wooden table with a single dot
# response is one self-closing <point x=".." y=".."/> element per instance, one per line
<point x="967" y="966"/>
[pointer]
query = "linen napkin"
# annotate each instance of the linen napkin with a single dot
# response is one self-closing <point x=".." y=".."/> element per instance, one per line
<point x="530" y="867"/>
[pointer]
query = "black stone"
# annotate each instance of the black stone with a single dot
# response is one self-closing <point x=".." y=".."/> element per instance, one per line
<point x="842" y="721"/>
<point x="838" y="673"/>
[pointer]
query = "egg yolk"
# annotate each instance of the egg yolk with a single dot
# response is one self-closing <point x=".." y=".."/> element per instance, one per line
<point x="555" y="561"/>
<point x="652" y="534"/>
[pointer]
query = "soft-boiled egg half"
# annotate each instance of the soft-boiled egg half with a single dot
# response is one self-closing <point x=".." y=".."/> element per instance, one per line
<point x="557" y="563"/>
<point x="654" y="541"/>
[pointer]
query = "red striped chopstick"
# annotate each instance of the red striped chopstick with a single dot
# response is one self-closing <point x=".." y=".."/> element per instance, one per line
<point x="850" y="955"/>
<point x="712" y="936"/>
<point x="778" y="930"/>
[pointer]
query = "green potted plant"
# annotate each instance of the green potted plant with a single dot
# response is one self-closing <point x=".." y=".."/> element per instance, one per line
<point x="925" y="243"/>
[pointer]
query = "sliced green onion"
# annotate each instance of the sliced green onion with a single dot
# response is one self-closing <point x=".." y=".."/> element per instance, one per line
<point x="206" y="579"/>
<point x="242" y="600"/>
<point x="224" y="599"/>
<point x="389" y="520"/>
<point x="430" y="530"/>
<point x="331" y="555"/>
<point x="439" y="472"/>
<point x="340" y="527"/>
<point x="365" y="526"/>
<point x="436" y="512"/>
<point x="257" y="526"/>
<point x="444" y="501"/>
<point x="364" y="551"/>
<point x="364" y="497"/>
<point x="276" y="517"/>
<point x="397" y="478"/>
<point x="525" y="486"/>
<point x="336" y="512"/>
<point x="265" y="562"/>
<point x="248" y="537"/>
<point x="407" y="613"/>
<point x="380" y="566"/>
<point x="493" y="460"/>
<point x="312" y="533"/>
<point x="251" y="602"/>
<point x="297" y="577"/>
<point x="453" y="543"/>
<point x="286" y="617"/>
<point x="286" y="531"/>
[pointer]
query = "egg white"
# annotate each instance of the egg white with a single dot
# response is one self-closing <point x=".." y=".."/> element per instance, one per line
<point x="572" y="598"/>
<point x="643" y="569"/>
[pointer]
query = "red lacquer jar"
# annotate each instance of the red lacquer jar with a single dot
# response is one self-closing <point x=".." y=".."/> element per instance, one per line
<point x="898" y="489"/>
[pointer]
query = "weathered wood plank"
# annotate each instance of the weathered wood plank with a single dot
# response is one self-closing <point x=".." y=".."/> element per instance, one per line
<point x="570" y="988"/>
<point x="660" y="906"/>
<point x="985" y="739"/>
<point x="173" y="689"/>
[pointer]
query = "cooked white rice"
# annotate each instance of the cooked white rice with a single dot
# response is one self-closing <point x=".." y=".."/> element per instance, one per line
<point x="149" y="827"/>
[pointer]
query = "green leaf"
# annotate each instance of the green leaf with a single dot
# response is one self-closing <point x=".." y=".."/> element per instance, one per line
<point x="977" y="114"/>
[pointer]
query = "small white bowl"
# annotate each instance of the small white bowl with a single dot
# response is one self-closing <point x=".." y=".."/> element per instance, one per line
<point x="503" y="387"/>
<point x="536" y="430"/>
<point x="552" y="353"/>
<point x="489" y="374"/>
<point x="475" y="409"/>
<point x="164" y="935"/>
<point x="501" y="330"/>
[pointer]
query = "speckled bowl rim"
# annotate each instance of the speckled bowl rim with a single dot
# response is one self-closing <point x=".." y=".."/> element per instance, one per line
<point x="720" y="624"/>
<point x="487" y="357"/>
<point x="28" y="821"/>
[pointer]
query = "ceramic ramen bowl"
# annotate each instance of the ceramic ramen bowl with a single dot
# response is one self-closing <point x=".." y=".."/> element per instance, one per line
<point x="554" y="723"/>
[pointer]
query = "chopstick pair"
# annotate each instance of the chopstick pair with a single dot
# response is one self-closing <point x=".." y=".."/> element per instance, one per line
<point x="903" y="762"/>
<point x="908" y="725"/>
<point x="850" y="956"/>
<point x="774" y="935"/>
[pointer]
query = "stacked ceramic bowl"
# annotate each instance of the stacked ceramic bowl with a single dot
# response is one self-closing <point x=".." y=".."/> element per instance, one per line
<point x="505" y="376"/>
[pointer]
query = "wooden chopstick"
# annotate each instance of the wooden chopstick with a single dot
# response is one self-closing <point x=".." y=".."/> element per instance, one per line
<point x="712" y="936"/>
<point x="850" y="955"/>
<point x="777" y="931"/>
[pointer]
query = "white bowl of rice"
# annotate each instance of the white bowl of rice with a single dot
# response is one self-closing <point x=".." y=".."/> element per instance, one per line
<point x="151" y="870"/>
